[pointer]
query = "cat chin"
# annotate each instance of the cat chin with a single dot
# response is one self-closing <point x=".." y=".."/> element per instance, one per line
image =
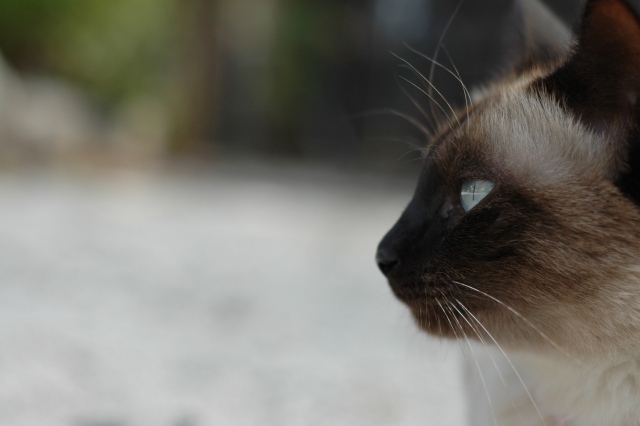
<point x="491" y="325"/>
<point x="434" y="324"/>
<point x="444" y="319"/>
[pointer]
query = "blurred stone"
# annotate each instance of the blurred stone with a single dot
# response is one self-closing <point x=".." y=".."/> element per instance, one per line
<point x="42" y="119"/>
<point x="48" y="121"/>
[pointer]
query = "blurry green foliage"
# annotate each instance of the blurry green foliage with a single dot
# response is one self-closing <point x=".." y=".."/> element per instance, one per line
<point x="309" y="35"/>
<point x="115" y="48"/>
<point x="310" y="38"/>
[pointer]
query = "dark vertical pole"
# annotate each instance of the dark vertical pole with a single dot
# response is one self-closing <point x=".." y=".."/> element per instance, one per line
<point x="198" y="52"/>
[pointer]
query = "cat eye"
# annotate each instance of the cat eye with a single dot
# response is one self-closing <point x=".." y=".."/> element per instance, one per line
<point x="473" y="191"/>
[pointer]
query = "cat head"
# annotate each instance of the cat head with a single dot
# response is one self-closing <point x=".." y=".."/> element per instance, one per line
<point x="526" y="216"/>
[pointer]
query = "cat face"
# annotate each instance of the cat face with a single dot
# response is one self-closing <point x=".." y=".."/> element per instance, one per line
<point x="525" y="222"/>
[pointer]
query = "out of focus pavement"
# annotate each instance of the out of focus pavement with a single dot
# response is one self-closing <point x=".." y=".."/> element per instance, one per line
<point x="245" y="294"/>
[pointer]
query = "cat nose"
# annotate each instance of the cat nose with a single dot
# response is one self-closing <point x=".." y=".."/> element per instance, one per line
<point x="386" y="260"/>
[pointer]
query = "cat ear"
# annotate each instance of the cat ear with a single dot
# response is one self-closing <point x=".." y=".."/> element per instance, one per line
<point x="535" y="35"/>
<point x="600" y="82"/>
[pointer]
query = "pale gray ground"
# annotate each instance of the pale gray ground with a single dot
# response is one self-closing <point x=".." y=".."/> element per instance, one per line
<point x="243" y="296"/>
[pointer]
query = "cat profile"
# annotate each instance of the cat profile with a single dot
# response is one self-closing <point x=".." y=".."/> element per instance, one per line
<point x="523" y="234"/>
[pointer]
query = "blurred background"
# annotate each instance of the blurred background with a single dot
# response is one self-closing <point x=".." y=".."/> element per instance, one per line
<point x="192" y="194"/>
<point x="141" y="80"/>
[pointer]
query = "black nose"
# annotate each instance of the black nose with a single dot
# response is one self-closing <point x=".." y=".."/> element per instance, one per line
<point x="386" y="259"/>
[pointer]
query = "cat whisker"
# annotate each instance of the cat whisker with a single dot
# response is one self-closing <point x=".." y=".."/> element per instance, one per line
<point x="432" y="121"/>
<point x="411" y="151"/>
<point x="430" y="97"/>
<point x="459" y="340"/>
<point x="412" y="160"/>
<point x="422" y="317"/>
<point x="409" y="144"/>
<point x="475" y="363"/>
<point x="427" y="88"/>
<point x="386" y="111"/>
<point x="439" y="45"/>
<point x="438" y="319"/>
<point x="467" y="96"/>
<point x="479" y="335"/>
<point x="475" y="359"/>
<point x="430" y="145"/>
<point x="506" y="357"/>
<point x="453" y="329"/>
<point x="432" y="88"/>
<point x="493" y="361"/>
<point x="523" y="318"/>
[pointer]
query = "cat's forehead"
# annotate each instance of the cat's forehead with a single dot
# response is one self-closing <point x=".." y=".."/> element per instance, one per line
<point x="524" y="133"/>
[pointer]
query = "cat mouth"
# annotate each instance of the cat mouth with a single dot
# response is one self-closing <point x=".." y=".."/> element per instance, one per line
<point x="427" y="289"/>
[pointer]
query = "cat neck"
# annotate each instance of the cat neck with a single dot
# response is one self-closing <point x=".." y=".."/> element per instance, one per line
<point x="585" y="393"/>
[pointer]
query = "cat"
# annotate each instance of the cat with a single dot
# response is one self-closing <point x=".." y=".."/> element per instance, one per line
<point x="523" y="233"/>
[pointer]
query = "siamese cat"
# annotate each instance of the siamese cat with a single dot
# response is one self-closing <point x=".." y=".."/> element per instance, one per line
<point x="523" y="234"/>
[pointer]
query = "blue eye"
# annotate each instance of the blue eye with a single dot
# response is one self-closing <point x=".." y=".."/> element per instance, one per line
<point x="473" y="191"/>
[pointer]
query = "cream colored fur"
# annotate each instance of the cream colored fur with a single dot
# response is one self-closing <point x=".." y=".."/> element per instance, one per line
<point x="596" y="393"/>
